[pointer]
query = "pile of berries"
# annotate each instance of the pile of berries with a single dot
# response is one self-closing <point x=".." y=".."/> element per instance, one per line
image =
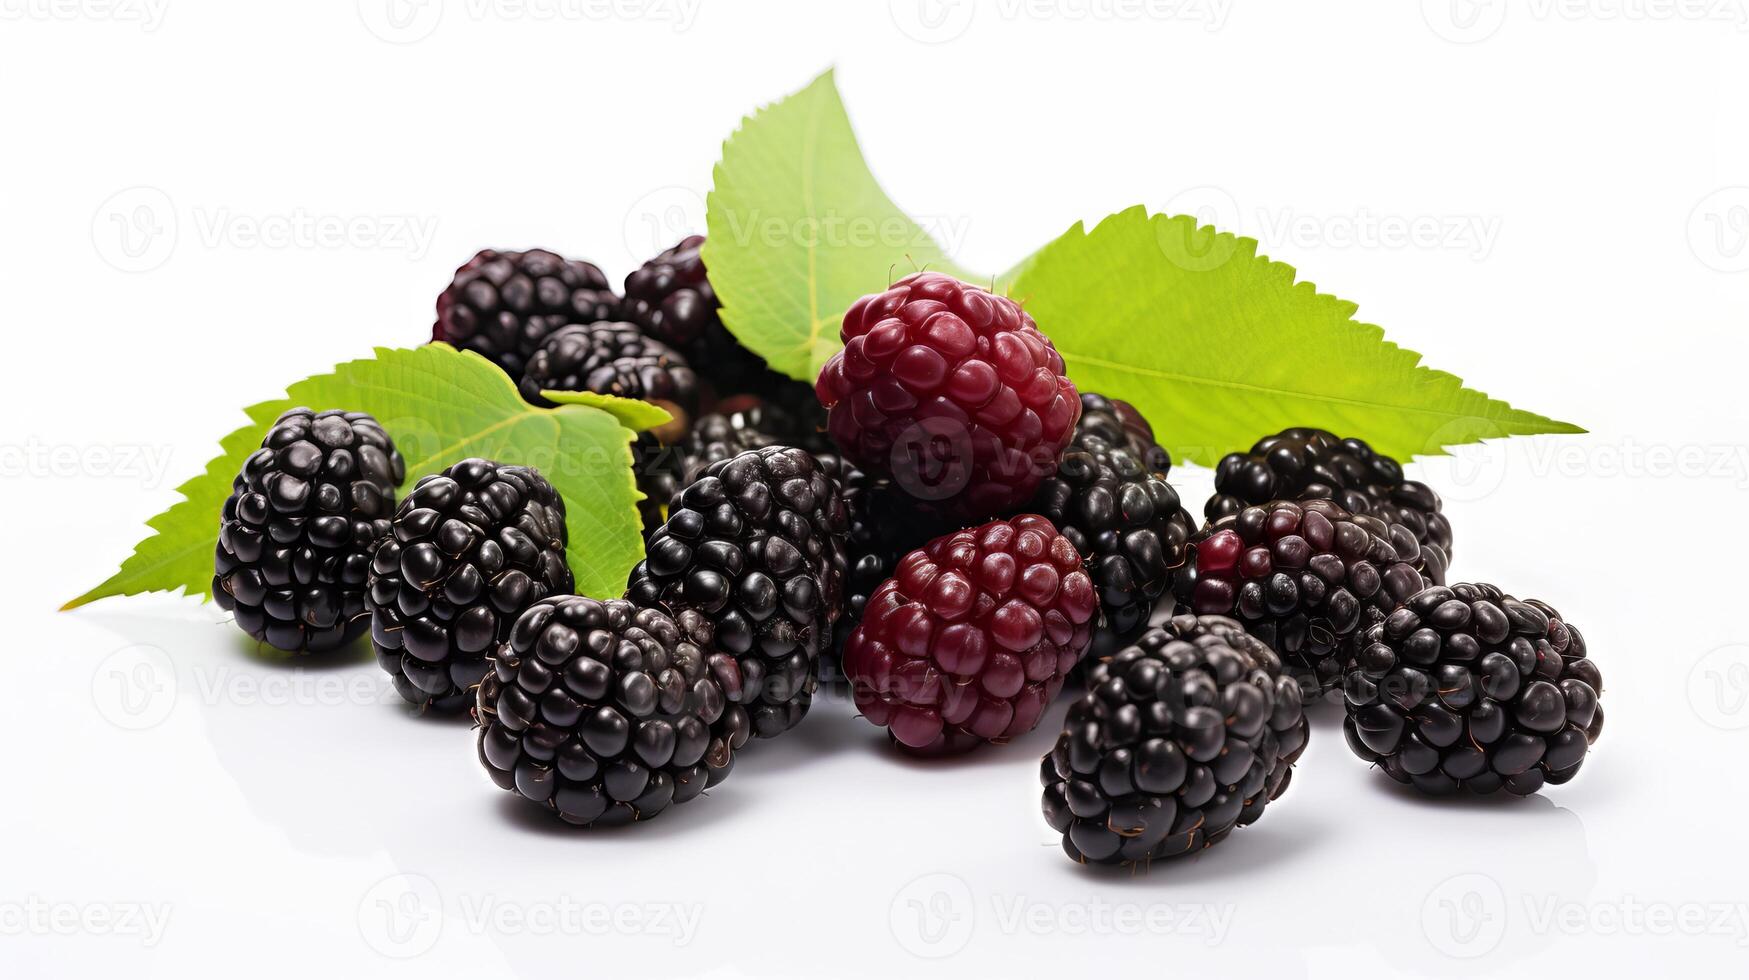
<point x="942" y="522"/>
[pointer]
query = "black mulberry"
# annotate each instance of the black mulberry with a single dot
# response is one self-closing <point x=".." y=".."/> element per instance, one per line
<point x="1467" y="687"/>
<point x="1303" y="577"/>
<point x="503" y="304"/>
<point x="295" y="535"/>
<point x="755" y="544"/>
<point x="1110" y="497"/>
<point x="610" y="359"/>
<point x="1308" y="464"/>
<point x="605" y="713"/>
<point x="1180" y="738"/>
<point x="469" y="550"/>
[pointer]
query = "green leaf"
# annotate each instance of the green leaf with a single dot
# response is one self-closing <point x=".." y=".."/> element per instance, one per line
<point x="440" y="406"/>
<point x="798" y="230"/>
<point x="1218" y="345"/>
<point x="635" y="415"/>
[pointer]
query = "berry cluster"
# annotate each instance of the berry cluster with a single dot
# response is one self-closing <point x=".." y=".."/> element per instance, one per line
<point x="943" y="517"/>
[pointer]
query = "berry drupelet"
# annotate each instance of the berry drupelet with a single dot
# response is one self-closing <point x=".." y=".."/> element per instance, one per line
<point x="1465" y="687"/>
<point x="295" y="535"/>
<point x="973" y="635"/>
<point x="605" y="713"/>
<point x="468" y="551"/>
<point x="1306" y="464"/>
<point x="755" y="545"/>
<point x="1189" y="733"/>
<point x="503" y="304"/>
<point x="951" y="391"/>
<point x="1303" y="577"/>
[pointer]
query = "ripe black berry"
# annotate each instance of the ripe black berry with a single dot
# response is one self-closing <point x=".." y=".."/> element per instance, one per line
<point x="671" y="299"/>
<point x="503" y="304"/>
<point x="1110" y="497"/>
<point x="470" y="549"/>
<point x="1306" y="464"/>
<point x="605" y="713"/>
<point x="755" y="544"/>
<point x="610" y="359"/>
<point x="295" y="534"/>
<point x="1303" y="577"/>
<point x="1180" y="738"/>
<point x="1467" y="687"/>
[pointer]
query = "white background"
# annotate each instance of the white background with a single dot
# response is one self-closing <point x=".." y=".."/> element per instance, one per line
<point x="1576" y="178"/>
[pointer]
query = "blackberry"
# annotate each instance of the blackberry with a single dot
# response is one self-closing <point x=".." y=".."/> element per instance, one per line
<point x="973" y="635"/>
<point x="1119" y="424"/>
<point x="671" y="299"/>
<point x="1303" y="577"/>
<point x="296" y="532"/>
<point x="605" y="713"/>
<point x="755" y="544"/>
<point x="469" y="550"/>
<point x="1182" y="737"/>
<point x="1110" y="497"/>
<point x="1309" y="464"/>
<point x="951" y="391"/>
<point x="503" y="304"/>
<point x="885" y="526"/>
<point x="662" y="470"/>
<point x="610" y="359"/>
<point x="1465" y="687"/>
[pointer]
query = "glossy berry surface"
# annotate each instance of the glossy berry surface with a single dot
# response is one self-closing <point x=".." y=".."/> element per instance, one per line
<point x="469" y="550"/>
<point x="755" y="545"/>
<point x="951" y="391"/>
<point x="671" y="299"/>
<point x="295" y="535"/>
<point x="886" y="524"/>
<point x="1465" y="687"/>
<point x="605" y="713"/>
<point x="503" y="304"/>
<point x="973" y="635"/>
<point x="664" y="469"/>
<point x="610" y="359"/>
<point x="1308" y="464"/>
<point x="1189" y="733"/>
<point x="1110" y="497"/>
<point x="1303" y="577"/>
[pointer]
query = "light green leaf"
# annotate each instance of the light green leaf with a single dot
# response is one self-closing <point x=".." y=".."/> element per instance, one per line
<point x="1218" y="345"/>
<point x="439" y="406"/>
<point x="631" y="413"/>
<point x="798" y="230"/>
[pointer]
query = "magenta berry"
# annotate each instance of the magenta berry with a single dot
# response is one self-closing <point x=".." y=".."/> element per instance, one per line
<point x="950" y="390"/>
<point x="971" y="638"/>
